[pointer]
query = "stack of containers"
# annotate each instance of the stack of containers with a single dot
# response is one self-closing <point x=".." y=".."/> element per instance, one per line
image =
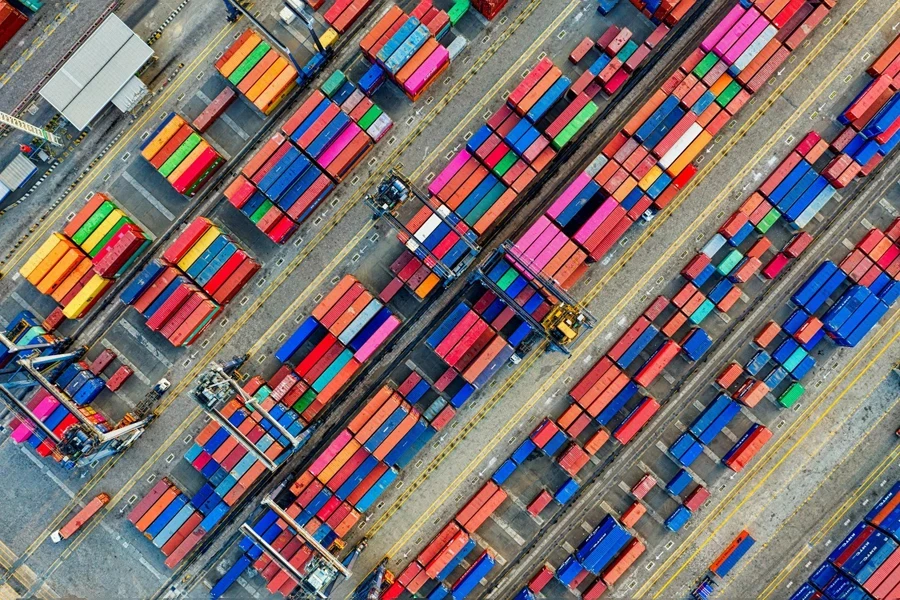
<point x="669" y="13"/>
<point x="619" y="57"/>
<point x="258" y="71"/>
<point x="327" y="350"/>
<point x="283" y="183"/>
<point x="405" y="50"/>
<point x="227" y="467"/>
<point x="11" y="21"/>
<point x="181" y="155"/>
<point x="608" y="552"/>
<point x="77" y="266"/>
<point x="181" y="293"/>
<point x="344" y="13"/>
<point x="168" y="517"/>
<point x="866" y="563"/>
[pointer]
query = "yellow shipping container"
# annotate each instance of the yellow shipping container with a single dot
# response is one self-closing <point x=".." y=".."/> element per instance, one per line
<point x="240" y="54"/>
<point x="84" y="299"/>
<point x="648" y="179"/>
<point x="60" y="271"/>
<point x="40" y="254"/>
<point x="329" y="37"/>
<point x="187" y="162"/>
<point x="689" y="154"/>
<point x="266" y="79"/>
<point x="277" y="90"/>
<point x="339" y="460"/>
<point x="103" y="228"/>
<point x="162" y="137"/>
<point x="199" y="248"/>
<point x="74" y="277"/>
<point x="50" y="261"/>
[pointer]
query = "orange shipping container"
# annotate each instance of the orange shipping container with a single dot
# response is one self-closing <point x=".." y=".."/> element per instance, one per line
<point x="493" y="213"/>
<point x="369" y="409"/>
<point x="80" y="270"/>
<point x="483" y="495"/>
<point x="381" y="27"/>
<point x="396" y="435"/>
<point x="539" y="89"/>
<point x="384" y="411"/>
<point x="154" y="511"/>
<point x="257" y="71"/>
<point x="633" y="514"/>
<point x="255" y="90"/>
<point x="63" y="245"/>
<point x="60" y="271"/>
<point x="240" y="54"/>
<point x="482" y="514"/>
<point x="339" y="460"/>
<point x="622" y="563"/>
<point x="416" y="60"/>
<point x="328" y="302"/>
<point x="277" y="91"/>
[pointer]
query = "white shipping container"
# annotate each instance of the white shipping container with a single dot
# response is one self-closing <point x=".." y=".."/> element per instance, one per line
<point x="428" y="227"/>
<point x="596" y="165"/>
<point x="457" y="46"/>
<point x="814" y="207"/>
<point x="753" y="49"/>
<point x="680" y="146"/>
<point x="713" y="245"/>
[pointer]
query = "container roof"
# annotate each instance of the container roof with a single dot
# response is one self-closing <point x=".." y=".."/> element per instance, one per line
<point x="95" y="73"/>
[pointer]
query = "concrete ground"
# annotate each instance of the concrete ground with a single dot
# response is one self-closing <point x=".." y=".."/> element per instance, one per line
<point x="295" y="275"/>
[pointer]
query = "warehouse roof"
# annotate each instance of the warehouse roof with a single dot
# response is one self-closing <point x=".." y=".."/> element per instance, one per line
<point x="95" y="73"/>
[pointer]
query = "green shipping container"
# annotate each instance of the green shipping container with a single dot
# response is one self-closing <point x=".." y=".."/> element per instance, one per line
<point x="339" y="363"/>
<point x="627" y="50"/>
<point x="367" y="119"/>
<point x="305" y="400"/>
<point x="702" y="311"/>
<point x="458" y="10"/>
<point x="507" y="278"/>
<point x="186" y="147"/>
<point x="505" y="164"/>
<point x="791" y="395"/>
<point x="482" y="207"/>
<point x="248" y="63"/>
<point x="333" y="83"/>
<point x="728" y="94"/>
<point x="261" y="211"/>
<point x="705" y="65"/>
<point x="85" y="231"/>
<point x="92" y="252"/>
<point x="729" y="262"/>
<point x="769" y="220"/>
<point x="575" y="125"/>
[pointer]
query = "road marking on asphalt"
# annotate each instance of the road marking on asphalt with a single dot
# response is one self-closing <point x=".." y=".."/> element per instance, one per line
<point x="143" y="341"/>
<point x="148" y="196"/>
<point x="635" y="290"/>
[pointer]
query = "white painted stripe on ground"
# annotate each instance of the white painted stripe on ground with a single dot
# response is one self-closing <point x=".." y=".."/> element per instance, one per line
<point x="128" y="327"/>
<point x="149" y="197"/>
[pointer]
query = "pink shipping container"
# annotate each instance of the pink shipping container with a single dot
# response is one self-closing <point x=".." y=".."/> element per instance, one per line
<point x="724" y="25"/>
<point x="417" y="81"/>
<point x="449" y="171"/>
<point x="381" y="334"/>
<point x="595" y="221"/>
<point x="732" y="35"/>
<point x="753" y="32"/>
<point x="330" y="452"/>
<point x="339" y="143"/>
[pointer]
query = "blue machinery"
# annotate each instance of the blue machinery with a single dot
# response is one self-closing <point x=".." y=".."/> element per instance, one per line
<point x="24" y="367"/>
<point x="394" y="190"/>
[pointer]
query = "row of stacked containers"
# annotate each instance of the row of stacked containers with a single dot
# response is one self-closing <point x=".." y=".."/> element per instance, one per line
<point x="696" y="341"/>
<point x="77" y="266"/>
<point x="183" y="291"/>
<point x="470" y="331"/>
<point x="258" y="72"/>
<point x="320" y="359"/>
<point x="80" y="382"/>
<point x="843" y="302"/>
<point x="866" y="563"/>
<point x="294" y="171"/>
<point x="181" y="155"/>
<point x="483" y="181"/>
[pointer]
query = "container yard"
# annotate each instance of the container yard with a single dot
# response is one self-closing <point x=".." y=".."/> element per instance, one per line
<point x="451" y="299"/>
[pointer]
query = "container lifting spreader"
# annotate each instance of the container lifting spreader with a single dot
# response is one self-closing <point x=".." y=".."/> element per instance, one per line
<point x="392" y="192"/>
<point x="217" y="386"/>
<point x="567" y="317"/>
<point x="35" y="365"/>
<point x="322" y="572"/>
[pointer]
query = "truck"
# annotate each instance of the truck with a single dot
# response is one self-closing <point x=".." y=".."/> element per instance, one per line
<point x="80" y="518"/>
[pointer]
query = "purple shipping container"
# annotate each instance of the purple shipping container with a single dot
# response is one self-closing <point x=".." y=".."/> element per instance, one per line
<point x="449" y="171"/>
<point x="338" y="145"/>
<point x="330" y="452"/>
<point x="731" y="37"/>
<point x="743" y="42"/>
<point x="568" y="195"/>
<point x="596" y="219"/>
<point x="724" y="25"/>
<point x="416" y="82"/>
<point x="378" y="337"/>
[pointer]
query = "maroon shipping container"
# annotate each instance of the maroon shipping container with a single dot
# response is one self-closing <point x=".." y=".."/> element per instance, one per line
<point x="215" y="109"/>
<point x="608" y="36"/>
<point x="696" y="498"/>
<point x="656" y="308"/>
<point x="147" y="501"/>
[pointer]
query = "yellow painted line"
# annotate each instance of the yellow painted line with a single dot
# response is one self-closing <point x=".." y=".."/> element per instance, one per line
<point x="769" y="455"/>
<point x="588" y="343"/>
<point x="173" y="394"/>
<point x="842" y="510"/>
<point x="78" y="191"/>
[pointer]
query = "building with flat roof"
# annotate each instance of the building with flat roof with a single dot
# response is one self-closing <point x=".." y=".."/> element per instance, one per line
<point x="101" y="71"/>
